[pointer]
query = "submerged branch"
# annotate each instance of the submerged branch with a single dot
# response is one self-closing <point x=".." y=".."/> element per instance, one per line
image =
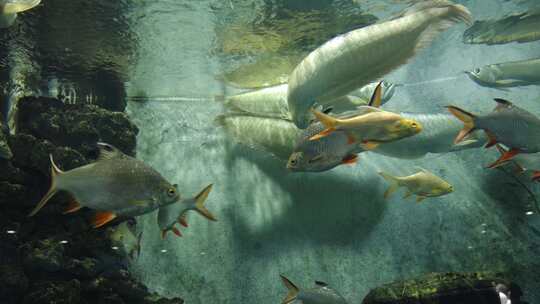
<point x="531" y="194"/>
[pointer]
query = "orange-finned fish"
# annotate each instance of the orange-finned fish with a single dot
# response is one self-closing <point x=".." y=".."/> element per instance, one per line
<point x="423" y="184"/>
<point x="508" y="124"/>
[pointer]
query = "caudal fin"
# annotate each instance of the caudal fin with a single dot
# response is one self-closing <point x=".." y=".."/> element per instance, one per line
<point x="467" y="119"/>
<point x="55" y="172"/>
<point x="394" y="184"/>
<point x="200" y="199"/>
<point x="292" y="290"/>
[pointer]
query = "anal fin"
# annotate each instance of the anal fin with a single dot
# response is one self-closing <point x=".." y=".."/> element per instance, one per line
<point x="322" y="134"/>
<point x="492" y="139"/>
<point x="508" y="155"/>
<point x="101" y="218"/>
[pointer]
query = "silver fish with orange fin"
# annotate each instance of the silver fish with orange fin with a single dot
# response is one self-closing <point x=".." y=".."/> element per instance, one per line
<point x="169" y="216"/>
<point x="423" y="184"/>
<point x="525" y="162"/>
<point x="114" y="185"/>
<point x="321" y="294"/>
<point x="508" y="124"/>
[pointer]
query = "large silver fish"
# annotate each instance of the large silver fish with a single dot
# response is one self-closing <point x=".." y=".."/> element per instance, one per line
<point x="10" y="9"/>
<point x="437" y="136"/>
<point x="273" y="135"/>
<point x="508" y="124"/>
<point x="508" y="74"/>
<point x="169" y="216"/>
<point x="115" y="185"/>
<point x="522" y="27"/>
<point x="321" y="294"/>
<point x="354" y="59"/>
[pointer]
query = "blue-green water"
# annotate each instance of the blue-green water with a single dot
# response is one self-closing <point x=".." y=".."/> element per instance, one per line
<point x="333" y="226"/>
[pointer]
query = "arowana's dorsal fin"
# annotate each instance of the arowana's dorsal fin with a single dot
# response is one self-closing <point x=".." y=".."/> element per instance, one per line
<point x="107" y="151"/>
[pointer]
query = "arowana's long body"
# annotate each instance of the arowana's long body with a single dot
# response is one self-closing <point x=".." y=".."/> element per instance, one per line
<point x="508" y="74"/>
<point x="437" y="136"/>
<point x="354" y="59"/>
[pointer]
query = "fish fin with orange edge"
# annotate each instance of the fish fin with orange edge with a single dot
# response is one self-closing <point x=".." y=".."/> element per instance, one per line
<point x="200" y="199"/>
<point x="350" y="159"/>
<point x="292" y="290"/>
<point x="508" y="155"/>
<point x="535" y="176"/>
<point x="420" y="198"/>
<point x="327" y="120"/>
<point x="322" y="134"/>
<point x="101" y="218"/>
<point x="72" y="206"/>
<point x="467" y="119"/>
<point x="176" y="231"/>
<point x="492" y="140"/>
<point x="55" y="174"/>
<point x="369" y="145"/>
<point x="183" y="220"/>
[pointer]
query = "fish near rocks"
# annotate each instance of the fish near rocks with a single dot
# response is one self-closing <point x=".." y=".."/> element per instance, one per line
<point x="115" y="185"/>
<point x="320" y="294"/>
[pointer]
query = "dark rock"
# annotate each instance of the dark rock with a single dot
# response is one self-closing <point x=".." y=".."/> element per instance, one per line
<point x="78" y="126"/>
<point x="5" y="151"/>
<point x="43" y="256"/>
<point x="13" y="282"/>
<point x="440" y="288"/>
<point x="84" y="268"/>
<point x="60" y="292"/>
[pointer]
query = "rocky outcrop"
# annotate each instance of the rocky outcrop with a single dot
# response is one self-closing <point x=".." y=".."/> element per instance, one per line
<point x="55" y="258"/>
<point x="445" y="288"/>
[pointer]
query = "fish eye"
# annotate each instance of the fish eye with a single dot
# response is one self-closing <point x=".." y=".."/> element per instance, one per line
<point x="171" y="192"/>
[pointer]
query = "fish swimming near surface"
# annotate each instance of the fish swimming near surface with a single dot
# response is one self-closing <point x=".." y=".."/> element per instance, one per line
<point x="169" y="216"/>
<point x="521" y="27"/>
<point x="10" y="9"/>
<point x="352" y="60"/>
<point x="508" y="74"/>
<point x="321" y="294"/>
<point x="437" y="136"/>
<point x="114" y="185"/>
<point x="125" y="238"/>
<point x="423" y="184"/>
<point x="508" y="124"/>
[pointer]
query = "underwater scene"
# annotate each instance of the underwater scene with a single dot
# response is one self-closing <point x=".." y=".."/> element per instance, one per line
<point x="270" y="151"/>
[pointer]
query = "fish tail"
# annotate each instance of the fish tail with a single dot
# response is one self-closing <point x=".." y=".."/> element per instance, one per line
<point x="200" y="199"/>
<point x="467" y="119"/>
<point x="55" y="172"/>
<point x="292" y="290"/>
<point x="394" y="184"/>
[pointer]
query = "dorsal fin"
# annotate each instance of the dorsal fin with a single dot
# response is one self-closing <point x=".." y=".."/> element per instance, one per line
<point x="321" y="284"/>
<point x="502" y="104"/>
<point x="376" y="98"/>
<point x="107" y="151"/>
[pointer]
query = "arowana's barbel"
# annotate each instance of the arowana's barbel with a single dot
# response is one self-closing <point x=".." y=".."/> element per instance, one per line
<point x="354" y="59"/>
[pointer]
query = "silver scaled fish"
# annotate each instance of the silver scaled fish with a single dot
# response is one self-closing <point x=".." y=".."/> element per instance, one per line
<point x="352" y="60"/>
<point x="508" y="124"/>
<point x="423" y="184"/>
<point x="169" y="216"/>
<point x="507" y="74"/>
<point x="114" y="185"/>
<point x="321" y="294"/>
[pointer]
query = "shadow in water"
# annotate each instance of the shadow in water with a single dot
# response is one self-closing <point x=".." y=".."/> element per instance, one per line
<point x="330" y="207"/>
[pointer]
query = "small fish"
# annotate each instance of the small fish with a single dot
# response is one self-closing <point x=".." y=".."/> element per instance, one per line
<point x="10" y="9"/>
<point x="521" y="27"/>
<point x="321" y="294"/>
<point x="169" y="215"/>
<point x="508" y="74"/>
<point x="526" y="162"/>
<point x="423" y="184"/>
<point x="115" y="185"/>
<point x="372" y="127"/>
<point x="508" y="124"/>
<point x="124" y="237"/>
<point x="354" y="59"/>
<point x="322" y="154"/>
